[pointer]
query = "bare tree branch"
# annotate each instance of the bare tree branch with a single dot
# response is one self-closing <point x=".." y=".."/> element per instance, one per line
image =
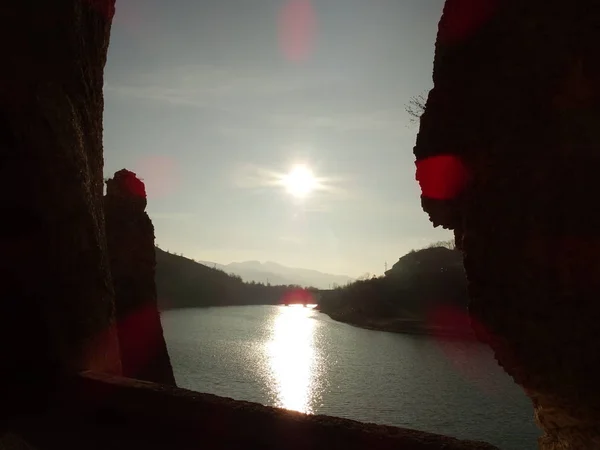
<point x="416" y="107"/>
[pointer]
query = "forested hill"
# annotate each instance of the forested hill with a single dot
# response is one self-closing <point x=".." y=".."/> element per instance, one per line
<point x="184" y="283"/>
<point x="424" y="292"/>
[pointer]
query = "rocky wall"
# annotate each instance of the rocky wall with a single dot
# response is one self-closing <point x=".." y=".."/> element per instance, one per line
<point x="130" y="237"/>
<point x="56" y="307"/>
<point x="507" y="154"/>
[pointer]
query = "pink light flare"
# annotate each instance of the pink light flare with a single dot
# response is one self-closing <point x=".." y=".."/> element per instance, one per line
<point x="159" y="174"/>
<point x="297" y="30"/>
<point x="459" y="352"/>
<point x="104" y="7"/>
<point x="139" y="339"/>
<point x="297" y="296"/>
<point x="129" y="16"/>
<point x="462" y="18"/>
<point x="442" y="177"/>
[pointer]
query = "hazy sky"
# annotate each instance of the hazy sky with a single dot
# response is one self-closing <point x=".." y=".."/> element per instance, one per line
<point x="207" y="104"/>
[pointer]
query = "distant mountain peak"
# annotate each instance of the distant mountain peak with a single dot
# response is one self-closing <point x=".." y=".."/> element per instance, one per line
<point x="273" y="263"/>
<point x="275" y="273"/>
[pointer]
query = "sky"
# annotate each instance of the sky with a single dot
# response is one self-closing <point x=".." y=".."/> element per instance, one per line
<point x="211" y="103"/>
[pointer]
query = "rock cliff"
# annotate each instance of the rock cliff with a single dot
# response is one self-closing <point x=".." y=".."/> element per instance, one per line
<point x="130" y="237"/>
<point x="56" y="307"/>
<point x="507" y="157"/>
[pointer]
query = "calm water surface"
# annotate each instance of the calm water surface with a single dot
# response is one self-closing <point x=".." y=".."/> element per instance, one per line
<point x="300" y="359"/>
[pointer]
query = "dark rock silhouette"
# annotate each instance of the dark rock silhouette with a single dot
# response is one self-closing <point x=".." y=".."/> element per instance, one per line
<point x="56" y="306"/>
<point x="507" y="157"/>
<point x="99" y="412"/>
<point x="515" y="102"/>
<point x="130" y="238"/>
<point x="184" y="283"/>
<point x="424" y="292"/>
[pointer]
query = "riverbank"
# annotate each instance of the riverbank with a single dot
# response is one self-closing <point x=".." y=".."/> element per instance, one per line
<point x="297" y="358"/>
<point x="424" y="293"/>
<point x="404" y="326"/>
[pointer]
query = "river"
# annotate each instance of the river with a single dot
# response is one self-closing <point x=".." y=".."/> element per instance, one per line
<point x="299" y="359"/>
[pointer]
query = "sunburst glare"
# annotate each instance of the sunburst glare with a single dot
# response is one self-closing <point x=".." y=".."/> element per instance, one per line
<point x="300" y="181"/>
<point x="292" y="358"/>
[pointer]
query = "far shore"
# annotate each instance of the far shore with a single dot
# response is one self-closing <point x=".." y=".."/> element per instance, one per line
<point x="408" y="326"/>
<point x="400" y="326"/>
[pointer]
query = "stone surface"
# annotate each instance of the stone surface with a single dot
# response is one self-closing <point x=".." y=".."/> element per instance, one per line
<point x="10" y="441"/>
<point x="56" y="307"/>
<point x="515" y="102"/>
<point x="124" y="414"/>
<point x="130" y="237"/>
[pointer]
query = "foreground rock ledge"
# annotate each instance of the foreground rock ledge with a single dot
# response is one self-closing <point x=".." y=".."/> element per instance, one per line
<point x="102" y="412"/>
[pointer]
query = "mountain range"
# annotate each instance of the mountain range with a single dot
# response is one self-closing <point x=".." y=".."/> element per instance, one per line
<point x="278" y="274"/>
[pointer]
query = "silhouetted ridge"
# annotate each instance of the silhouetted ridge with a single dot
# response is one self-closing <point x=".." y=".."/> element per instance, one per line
<point x="424" y="292"/>
<point x="183" y="283"/>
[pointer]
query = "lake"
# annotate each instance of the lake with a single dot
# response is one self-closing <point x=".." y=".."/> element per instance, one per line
<point x="297" y="358"/>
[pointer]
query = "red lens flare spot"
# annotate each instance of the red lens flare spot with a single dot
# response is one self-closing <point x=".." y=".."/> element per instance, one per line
<point x="104" y="7"/>
<point x="462" y="18"/>
<point x="159" y="174"/>
<point x="442" y="177"/>
<point x="129" y="16"/>
<point x="138" y="340"/>
<point x="297" y="29"/>
<point x="463" y="355"/>
<point x="450" y="318"/>
<point x="297" y="297"/>
<point x="126" y="183"/>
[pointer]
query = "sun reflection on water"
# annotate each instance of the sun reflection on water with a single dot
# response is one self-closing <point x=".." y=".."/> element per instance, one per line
<point x="292" y="357"/>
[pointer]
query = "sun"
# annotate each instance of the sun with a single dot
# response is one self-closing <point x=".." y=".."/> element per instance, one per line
<point x="300" y="181"/>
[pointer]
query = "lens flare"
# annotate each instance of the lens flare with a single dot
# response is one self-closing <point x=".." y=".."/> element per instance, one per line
<point x="297" y="26"/>
<point x="459" y="353"/>
<point x="159" y="175"/>
<point x="442" y="177"/>
<point x="462" y="18"/>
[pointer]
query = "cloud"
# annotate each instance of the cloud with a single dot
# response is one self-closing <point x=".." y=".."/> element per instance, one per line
<point x="271" y="99"/>
<point x="292" y="240"/>
<point x="373" y="121"/>
<point x="339" y="196"/>
<point x="172" y="216"/>
<point x="204" y="84"/>
<point x="252" y="176"/>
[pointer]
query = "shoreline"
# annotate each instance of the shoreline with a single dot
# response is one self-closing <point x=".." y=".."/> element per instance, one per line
<point x="398" y="326"/>
<point x="413" y="327"/>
